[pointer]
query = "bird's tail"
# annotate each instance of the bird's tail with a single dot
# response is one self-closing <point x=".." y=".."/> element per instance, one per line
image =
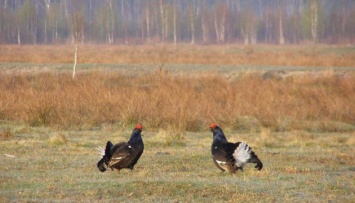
<point x="101" y="165"/>
<point x="243" y="155"/>
<point x="106" y="156"/>
<point x="254" y="159"/>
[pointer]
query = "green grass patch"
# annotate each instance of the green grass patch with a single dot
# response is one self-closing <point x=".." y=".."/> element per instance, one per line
<point x="299" y="166"/>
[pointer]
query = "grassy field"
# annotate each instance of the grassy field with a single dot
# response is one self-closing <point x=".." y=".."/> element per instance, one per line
<point x="293" y="105"/>
<point x="60" y="166"/>
<point x="157" y="55"/>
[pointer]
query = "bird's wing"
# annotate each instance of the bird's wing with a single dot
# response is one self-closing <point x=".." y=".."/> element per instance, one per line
<point x="219" y="157"/>
<point x="117" y="146"/>
<point x="137" y="156"/>
<point x="122" y="152"/>
<point x="219" y="164"/>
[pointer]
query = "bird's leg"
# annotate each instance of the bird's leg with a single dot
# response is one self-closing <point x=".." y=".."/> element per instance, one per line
<point x="231" y="167"/>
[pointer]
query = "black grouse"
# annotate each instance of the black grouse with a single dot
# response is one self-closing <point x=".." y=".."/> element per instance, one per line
<point x="231" y="156"/>
<point x="123" y="154"/>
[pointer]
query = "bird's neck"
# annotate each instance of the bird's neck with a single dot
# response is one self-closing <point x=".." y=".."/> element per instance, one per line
<point x="218" y="137"/>
<point x="135" y="138"/>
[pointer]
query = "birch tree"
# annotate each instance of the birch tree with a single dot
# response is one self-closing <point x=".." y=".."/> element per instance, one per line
<point x="204" y="23"/>
<point x="77" y="20"/>
<point x="147" y="20"/>
<point x="47" y="4"/>
<point x="174" y="19"/>
<point x="162" y="19"/>
<point x="220" y="22"/>
<point x="18" y="22"/>
<point x="192" y="24"/>
<point x="156" y="20"/>
<point x="110" y="22"/>
<point x="281" y="31"/>
<point x="273" y="21"/>
<point x="314" y="19"/>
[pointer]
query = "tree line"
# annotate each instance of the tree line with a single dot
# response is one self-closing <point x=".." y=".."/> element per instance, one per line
<point x="177" y="21"/>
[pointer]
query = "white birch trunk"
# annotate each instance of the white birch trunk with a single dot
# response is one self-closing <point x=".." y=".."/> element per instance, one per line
<point x="281" y="33"/>
<point x="156" y="18"/>
<point x="75" y="58"/>
<point x="166" y="26"/>
<point x="162" y="20"/>
<point x="56" y="31"/>
<point x="66" y="10"/>
<point x="204" y="31"/>
<point x="216" y="28"/>
<point x="48" y="3"/>
<point x="147" y="21"/>
<point x="112" y="23"/>
<point x="223" y="26"/>
<point x="253" y="35"/>
<point x="175" y="37"/>
<point x="192" y="25"/>
<point x="245" y="35"/>
<point x="314" y="20"/>
<point x="45" y="31"/>
<point x="343" y="24"/>
<point x="204" y="23"/>
<point x="18" y="36"/>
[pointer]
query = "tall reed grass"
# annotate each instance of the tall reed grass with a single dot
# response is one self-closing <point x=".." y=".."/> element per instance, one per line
<point x="315" y="101"/>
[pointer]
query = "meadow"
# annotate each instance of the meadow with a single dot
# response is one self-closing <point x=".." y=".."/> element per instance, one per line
<point x="215" y="55"/>
<point x="293" y="105"/>
<point x="60" y="166"/>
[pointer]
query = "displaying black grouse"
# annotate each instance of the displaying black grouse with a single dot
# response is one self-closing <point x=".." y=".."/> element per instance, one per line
<point x="123" y="154"/>
<point x="231" y="156"/>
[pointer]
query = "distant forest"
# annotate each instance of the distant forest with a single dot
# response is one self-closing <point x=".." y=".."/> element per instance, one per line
<point x="177" y="21"/>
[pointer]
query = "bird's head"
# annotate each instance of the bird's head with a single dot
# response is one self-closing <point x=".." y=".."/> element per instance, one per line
<point x="136" y="134"/>
<point x="217" y="133"/>
<point x="213" y="126"/>
<point x="139" y="126"/>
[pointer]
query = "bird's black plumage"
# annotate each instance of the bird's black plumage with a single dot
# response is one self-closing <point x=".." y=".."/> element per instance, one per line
<point x="229" y="156"/>
<point x="123" y="154"/>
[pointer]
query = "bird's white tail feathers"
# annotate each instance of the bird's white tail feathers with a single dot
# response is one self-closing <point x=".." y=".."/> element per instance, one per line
<point x="101" y="151"/>
<point x="242" y="154"/>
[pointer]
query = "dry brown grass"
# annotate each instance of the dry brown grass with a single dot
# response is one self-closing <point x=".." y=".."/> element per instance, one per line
<point x="321" y="55"/>
<point x="321" y="101"/>
<point x="6" y="133"/>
